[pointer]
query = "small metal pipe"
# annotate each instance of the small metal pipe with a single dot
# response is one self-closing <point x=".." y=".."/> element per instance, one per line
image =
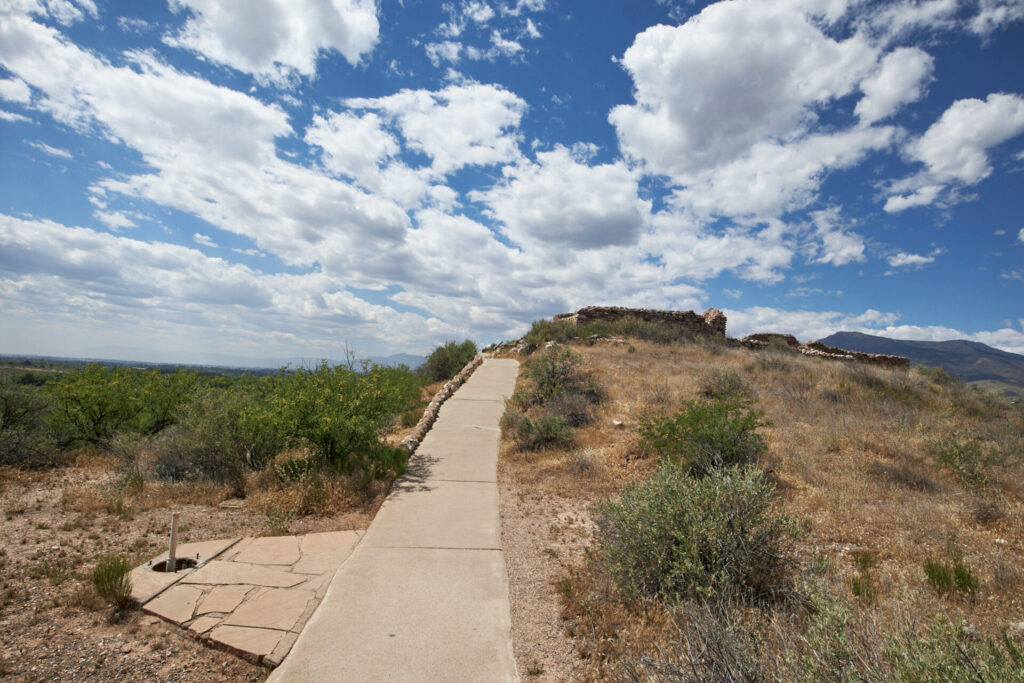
<point x="171" y="560"/>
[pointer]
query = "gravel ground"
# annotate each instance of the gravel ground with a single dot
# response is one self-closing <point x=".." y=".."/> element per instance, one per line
<point x="541" y="537"/>
<point x="52" y="624"/>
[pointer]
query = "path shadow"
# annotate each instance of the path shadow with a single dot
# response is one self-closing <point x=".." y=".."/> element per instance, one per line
<point x="417" y="475"/>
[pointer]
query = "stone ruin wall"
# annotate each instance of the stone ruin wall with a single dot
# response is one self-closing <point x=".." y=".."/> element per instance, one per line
<point x="712" y="323"/>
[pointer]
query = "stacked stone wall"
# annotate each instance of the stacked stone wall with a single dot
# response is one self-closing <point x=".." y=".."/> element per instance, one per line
<point x="712" y="322"/>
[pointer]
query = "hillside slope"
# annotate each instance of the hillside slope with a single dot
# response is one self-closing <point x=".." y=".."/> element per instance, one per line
<point x="968" y="360"/>
<point x="894" y="475"/>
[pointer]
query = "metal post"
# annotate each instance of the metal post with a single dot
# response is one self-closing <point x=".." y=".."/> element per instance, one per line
<point x="171" y="560"/>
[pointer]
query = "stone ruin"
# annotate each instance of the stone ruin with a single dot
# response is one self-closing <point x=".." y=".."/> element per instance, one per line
<point x="712" y="324"/>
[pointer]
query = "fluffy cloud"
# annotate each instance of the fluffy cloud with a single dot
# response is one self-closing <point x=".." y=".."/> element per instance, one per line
<point x="560" y="201"/>
<point x="276" y="40"/>
<point x="727" y="105"/>
<point x="70" y="274"/>
<point x="955" y="149"/>
<point x="901" y="78"/>
<point x="1020" y="236"/>
<point x="460" y="125"/>
<point x="737" y="74"/>
<point x="15" y="90"/>
<point x="993" y="14"/>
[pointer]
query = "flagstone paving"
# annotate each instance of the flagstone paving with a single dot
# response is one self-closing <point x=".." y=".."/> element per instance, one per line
<point x="251" y="596"/>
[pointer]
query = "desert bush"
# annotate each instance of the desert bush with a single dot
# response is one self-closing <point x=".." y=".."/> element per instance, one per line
<point x="546" y="431"/>
<point x="949" y="652"/>
<point x="447" y="360"/>
<point x="936" y="374"/>
<point x="966" y="458"/>
<point x="553" y="372"/>
<point x="543" y="331"/>
<point x="945" y="577"/>
<point x="717" y="383"/>
<point x="112" y="580"/>
<point x="675" y="537"/>
<point x="25" y="437"/>
<point x="706" y="435"/>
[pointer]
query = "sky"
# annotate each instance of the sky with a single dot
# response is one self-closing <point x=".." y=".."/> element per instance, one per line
<point x="275" y="178"/>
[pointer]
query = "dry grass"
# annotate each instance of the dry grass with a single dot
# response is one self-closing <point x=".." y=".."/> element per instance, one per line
<point x="853" y="449"/>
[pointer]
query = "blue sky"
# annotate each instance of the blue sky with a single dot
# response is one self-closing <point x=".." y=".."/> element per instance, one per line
<point x="278" y="178"/>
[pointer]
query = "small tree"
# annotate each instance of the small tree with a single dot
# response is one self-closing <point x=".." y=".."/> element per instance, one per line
<point x="447" y="360"/>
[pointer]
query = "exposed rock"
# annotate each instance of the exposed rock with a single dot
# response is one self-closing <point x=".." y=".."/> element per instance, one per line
<point x="816" y="348"/>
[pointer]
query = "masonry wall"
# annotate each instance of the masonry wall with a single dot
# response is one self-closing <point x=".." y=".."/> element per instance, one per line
<point x="712" y="322"/>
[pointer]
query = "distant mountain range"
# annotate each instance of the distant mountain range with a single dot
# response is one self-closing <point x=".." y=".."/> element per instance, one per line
<point x="973" y="362"/>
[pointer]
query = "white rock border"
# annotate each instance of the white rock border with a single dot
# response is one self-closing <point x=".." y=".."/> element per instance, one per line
<point x="411" y="442"/>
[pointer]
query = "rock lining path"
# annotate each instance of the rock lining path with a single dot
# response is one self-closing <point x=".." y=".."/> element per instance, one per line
<point x="424" y="596"/>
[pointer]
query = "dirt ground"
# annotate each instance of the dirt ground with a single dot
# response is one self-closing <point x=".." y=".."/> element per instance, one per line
<point x="52" y="625"/>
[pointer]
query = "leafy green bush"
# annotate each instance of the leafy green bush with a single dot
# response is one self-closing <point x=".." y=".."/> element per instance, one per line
<point x="706" y="435"/>
<point x="25" y="437"/>
<point x="97" y="403"/>
<point x="447" y="360"/>
<point x="675" y="537"/>
<point x="112" y="580"/>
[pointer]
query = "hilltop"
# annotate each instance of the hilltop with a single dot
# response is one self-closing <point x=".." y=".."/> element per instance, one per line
<point x="890" y="499"/>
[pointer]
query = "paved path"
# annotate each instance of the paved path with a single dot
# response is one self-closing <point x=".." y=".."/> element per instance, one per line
<point x="424" y="596"/>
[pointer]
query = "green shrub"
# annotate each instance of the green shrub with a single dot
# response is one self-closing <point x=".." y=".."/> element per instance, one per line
<point x="112" y="580"/>
<point x="543" y="331"/>
<point x="936" y="374"/>
<point x="705" y="435"/>
<point x="25" y="437"/>
<point x="966" y="459"/>
<point x="553" y="372"/>
<point x="723" y="384"/>
<point x="949" y="652"/>
<point x="447" y="360"/>
<point x="675" y="537"/>
<point x="546" y="431"/>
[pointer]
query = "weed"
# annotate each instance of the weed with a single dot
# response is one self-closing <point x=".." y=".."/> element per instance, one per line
<point x="55" y="570"/>
<point x="535" y="669"/>
<point x="112" y="580"/>
<point x="949" y="652"/>
<point x="862" y="584"/>
<point x="278" y="522"/>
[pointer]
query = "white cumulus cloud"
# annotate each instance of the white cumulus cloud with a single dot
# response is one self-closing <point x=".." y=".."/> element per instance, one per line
<point x="955" y="149"/>
<point x="277" y="40"/>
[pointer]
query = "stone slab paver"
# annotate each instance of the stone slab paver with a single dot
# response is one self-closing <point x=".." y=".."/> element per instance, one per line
<point x="326" y="551"/>
<point x="424" y="596"/>
<point x="272" y="550"/>
<point x="219" y="572"/>
<point x="177" y="603"/>
<point x="256" y="642"/>
<point x="277" y="608"/>
<point x="223" y="598"/>
<point x="255" y="610"/>
<point x="203" y="624"/>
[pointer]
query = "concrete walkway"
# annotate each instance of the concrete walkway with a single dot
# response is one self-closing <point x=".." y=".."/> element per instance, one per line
<point x="424" y="596"/>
